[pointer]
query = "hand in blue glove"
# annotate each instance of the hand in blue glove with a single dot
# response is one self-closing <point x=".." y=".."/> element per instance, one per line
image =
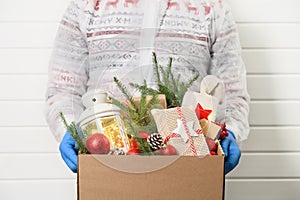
<point x="68" y="151"/>
<point x="232" y="152"/>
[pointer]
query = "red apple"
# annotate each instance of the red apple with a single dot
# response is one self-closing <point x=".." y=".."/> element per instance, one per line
<point x="168" y="150"/>
<point x="98" y="144"/>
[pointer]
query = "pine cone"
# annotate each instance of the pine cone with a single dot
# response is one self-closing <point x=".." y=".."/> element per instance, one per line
<point x="155" y="141"/>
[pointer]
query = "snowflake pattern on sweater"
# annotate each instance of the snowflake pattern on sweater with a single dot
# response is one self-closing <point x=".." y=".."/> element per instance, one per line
<point x="99" y="39"/>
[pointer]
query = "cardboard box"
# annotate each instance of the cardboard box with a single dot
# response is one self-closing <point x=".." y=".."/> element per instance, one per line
<point x="108" y="177"/>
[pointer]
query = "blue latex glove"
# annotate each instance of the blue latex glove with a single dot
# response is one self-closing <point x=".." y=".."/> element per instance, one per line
<point x="68" y="151"/>
<point x="232" y="152"/>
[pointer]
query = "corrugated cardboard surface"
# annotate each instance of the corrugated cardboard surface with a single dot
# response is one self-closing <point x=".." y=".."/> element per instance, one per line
<point x="186" y="178"/>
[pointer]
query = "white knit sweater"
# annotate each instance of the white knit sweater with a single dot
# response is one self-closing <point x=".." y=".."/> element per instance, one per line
<point x="99" y="39"/>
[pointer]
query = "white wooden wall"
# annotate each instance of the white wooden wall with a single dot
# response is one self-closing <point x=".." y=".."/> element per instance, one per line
<point x="30" y="165"/>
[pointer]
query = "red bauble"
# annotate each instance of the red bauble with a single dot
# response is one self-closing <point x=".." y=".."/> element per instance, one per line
<point x="133" y="144"/>
<point x="213" y="153"/>
<point x="143" y="135"/>
<point x="98" y="144"/>
<point x="133" y="152"/>
<point x="212" y="146"/>
<point x="168" y="150"/>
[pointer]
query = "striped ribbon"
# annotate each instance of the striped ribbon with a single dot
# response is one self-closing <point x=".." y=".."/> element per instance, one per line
<point x="173" y="135"/>
<point x="199" y="131"/>
<point x="181" y="116"/>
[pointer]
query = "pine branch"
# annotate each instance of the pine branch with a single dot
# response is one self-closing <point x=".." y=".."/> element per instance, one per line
<point x="140" y="114"/>
<point x="192" y="80"/>
<point x="177" y="81"/>
<point x="121" y="105"/>
<point x="149" y="91"/>
<point x="74" y="133"/>
<point x="185" y="86"/>
<point x="173" y="89"/>
<point x="126" y="93"/>
<point x="153" y="101"/>
<point x="170" y="96"/>
<point x="128" y="112"/>
<point x="137" y="86"/>
<point x="156" y="67"/>
<point x="129" y="126"/>
<point x="65" y="122"/>
<point x="143" y="111"/>
<point x="182" y="91"/>
<point x="172" y="79"/>
<point x="169" y="66"/>
<point x="144" y="146"/>
<point x="145" y="107"/>
<point x="165" y="76"/>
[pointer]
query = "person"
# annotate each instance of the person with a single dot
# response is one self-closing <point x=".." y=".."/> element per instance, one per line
<point x="100" y="39"/>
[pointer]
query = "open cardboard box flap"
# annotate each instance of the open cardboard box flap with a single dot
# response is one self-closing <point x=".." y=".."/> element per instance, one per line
<point x="108" y="177"/>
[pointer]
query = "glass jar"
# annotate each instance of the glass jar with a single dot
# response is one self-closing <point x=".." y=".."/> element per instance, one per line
<point x="102" y="117"/>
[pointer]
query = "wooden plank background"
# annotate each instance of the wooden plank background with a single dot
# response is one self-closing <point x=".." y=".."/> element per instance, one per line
<point x="269" y="168"/>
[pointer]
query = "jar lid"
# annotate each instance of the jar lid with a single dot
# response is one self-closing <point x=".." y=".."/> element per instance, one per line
<point x="94" y="97"/>
<point x="96" y="106"/>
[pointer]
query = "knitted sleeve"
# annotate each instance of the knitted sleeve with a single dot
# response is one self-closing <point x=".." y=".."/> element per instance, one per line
<point x="227" y="64"/>
<point x="67" y="70"/>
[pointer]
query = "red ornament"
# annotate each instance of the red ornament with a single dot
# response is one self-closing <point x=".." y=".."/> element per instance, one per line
<point x="143" y="135"/>
<point x="168" y="150"/>
<point x="222" y="135"/>
<point x="98" y="144"/>
<point x="224" y="132"/>
<point x="133" y="152"/>
<point x="213" y="153"/>
<point x="134" y="144"/>
<point x="202" y="113"/>
<point x="212" y="146"/>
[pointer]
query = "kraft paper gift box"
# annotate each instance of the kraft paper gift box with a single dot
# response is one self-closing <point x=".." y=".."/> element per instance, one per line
<point x="108" y="177"/>
<point x="136" y="177"/>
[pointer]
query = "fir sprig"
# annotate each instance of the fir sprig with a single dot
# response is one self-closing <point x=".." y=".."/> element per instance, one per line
<point x="137" y="115"/>
<point x="75" y="135"/>
<point x="126" y="93"/>
<point x="144" y="146"/>
<point x="154" y="58"/>
<point x="172" y="87"/>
